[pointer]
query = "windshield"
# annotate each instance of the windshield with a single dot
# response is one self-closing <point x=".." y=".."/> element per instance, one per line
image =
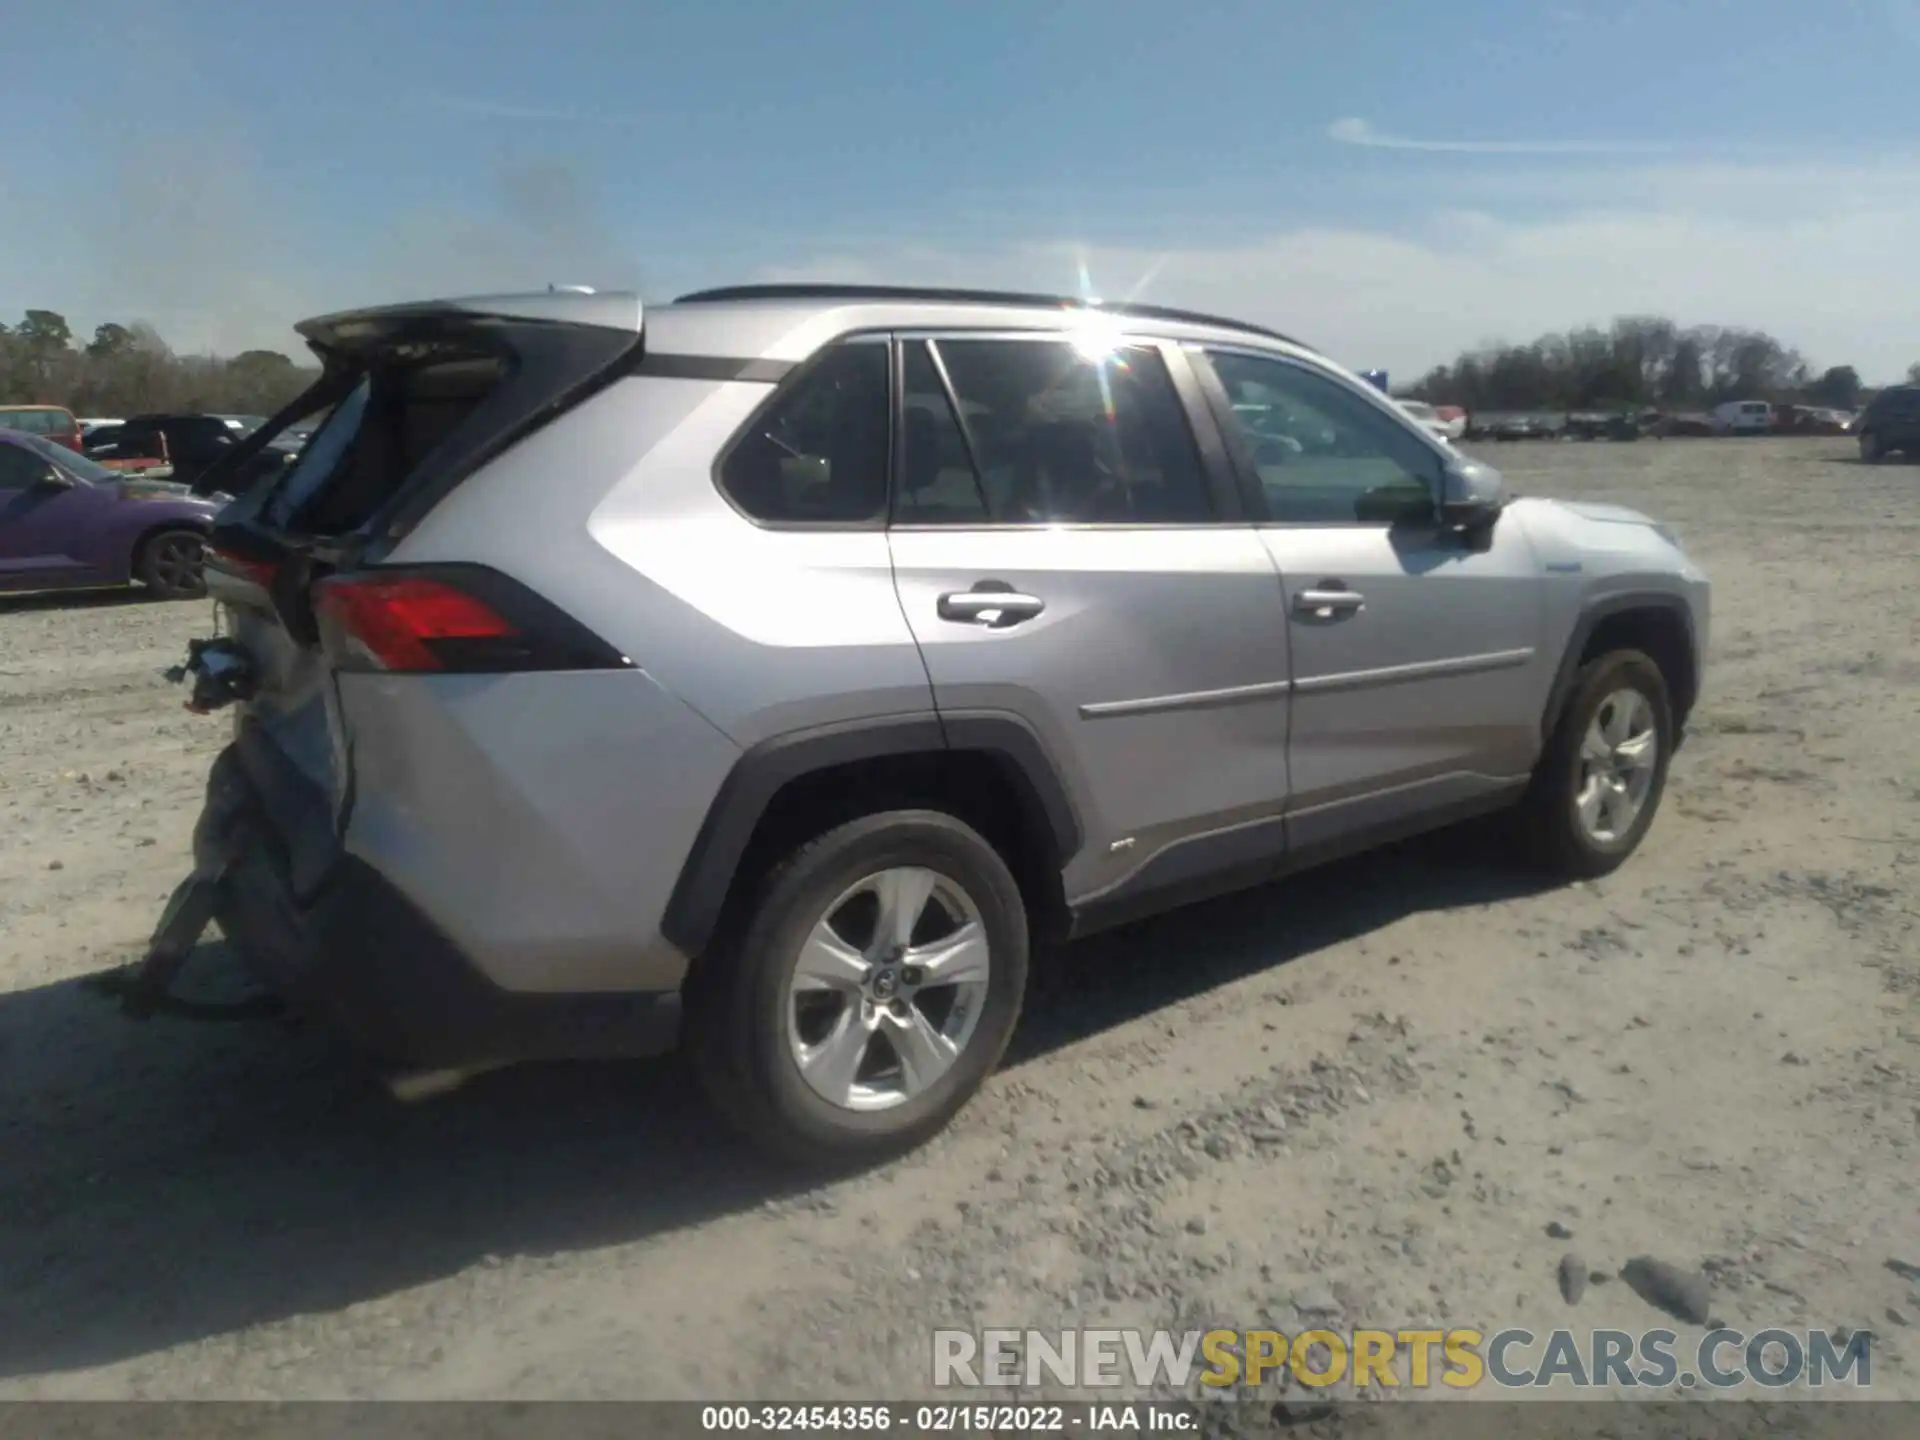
<point x="64" y="459"/>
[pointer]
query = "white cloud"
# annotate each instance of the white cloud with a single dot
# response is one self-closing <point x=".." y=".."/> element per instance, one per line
<point x="1819" y="254"/>
<point x="1822" y="259"/>
<point x="1355" y="131"/>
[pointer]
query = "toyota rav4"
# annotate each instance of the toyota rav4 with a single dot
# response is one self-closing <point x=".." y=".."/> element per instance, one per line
<point x="769" y="673"/>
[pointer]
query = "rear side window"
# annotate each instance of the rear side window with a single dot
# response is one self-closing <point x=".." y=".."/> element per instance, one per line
<point x="818" y="454"/>
<point x="1045" y="434"/>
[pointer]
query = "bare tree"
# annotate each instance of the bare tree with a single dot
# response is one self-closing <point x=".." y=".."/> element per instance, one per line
<point x="125" y="369"/>
<point x="1641" y="360"/>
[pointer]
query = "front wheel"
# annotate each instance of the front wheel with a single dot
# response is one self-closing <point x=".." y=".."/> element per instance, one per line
<point x="870" y="991"/>
<point x="169" y="564"/>
<point x="1600" y="779"/>
<point x="1871" y="450"/>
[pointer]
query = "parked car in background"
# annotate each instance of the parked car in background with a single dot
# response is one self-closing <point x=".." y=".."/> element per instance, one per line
<point x="1681" y="426"/>
<point x="102" y="446"/>
<point x="1427" y="418"/>
<point x="1742" y="417"/>
<point x="970" y="568"/>
<point x="68" y="522"/>
<point x="1890" y="424"/>
<point x="91" y="423"/>
<point x="1810" y="420"/>
<point x="51" y="422"/>
<point x="1592" y="425"/>
<point x="1529" y="426"/>
<point x="1453" y="418"/>
<point x="191" y="444"/>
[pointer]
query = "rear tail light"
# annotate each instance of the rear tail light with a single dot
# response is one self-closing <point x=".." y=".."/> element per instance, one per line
<point x="450" y="619"/>
<point x="260" y="572"/>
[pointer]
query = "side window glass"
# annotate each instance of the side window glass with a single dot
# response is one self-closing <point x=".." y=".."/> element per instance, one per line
<point x="939" y="484"/>
<point x="1322" y="453"/>
<point x="20" y="468"/>
<point x="1048" y="434"/>
<point x="818" y="455"/>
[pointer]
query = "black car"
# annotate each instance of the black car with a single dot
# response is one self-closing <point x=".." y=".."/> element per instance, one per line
<point x="191" y="444"/>
<point x="1890" y="423"/>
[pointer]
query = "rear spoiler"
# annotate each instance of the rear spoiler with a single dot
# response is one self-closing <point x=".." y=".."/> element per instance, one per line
<point x="346" y="331"/>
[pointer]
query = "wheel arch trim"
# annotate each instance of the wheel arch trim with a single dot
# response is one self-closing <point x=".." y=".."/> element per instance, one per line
<point x="1592" y="614"/>
<point x="761" y="772"/>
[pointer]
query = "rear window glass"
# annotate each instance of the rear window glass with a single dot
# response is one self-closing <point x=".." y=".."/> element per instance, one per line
<point x="376" y="438"/>
<point x="38" y="422"/>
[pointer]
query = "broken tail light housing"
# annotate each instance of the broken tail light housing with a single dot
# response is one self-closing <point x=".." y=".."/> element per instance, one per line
<point x="450" y="620"/>
<point x="259" y="571"/>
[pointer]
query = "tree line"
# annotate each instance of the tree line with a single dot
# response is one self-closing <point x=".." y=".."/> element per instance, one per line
<point x="1641" y="362"/>
<point x="130" y="370"/>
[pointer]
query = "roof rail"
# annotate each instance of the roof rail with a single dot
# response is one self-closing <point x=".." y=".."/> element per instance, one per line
<point x="815" y="291"/>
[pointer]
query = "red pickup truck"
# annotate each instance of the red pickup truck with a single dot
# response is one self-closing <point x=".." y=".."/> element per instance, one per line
<point x="49" y="422"/>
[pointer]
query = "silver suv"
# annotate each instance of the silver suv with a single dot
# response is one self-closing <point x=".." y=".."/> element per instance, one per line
<point x="772" y="671"/>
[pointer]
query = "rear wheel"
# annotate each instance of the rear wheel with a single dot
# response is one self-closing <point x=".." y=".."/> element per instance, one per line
<point x="868" y="993"/>
<point x="1600" y="779"/>
<point x="169" y="564"/>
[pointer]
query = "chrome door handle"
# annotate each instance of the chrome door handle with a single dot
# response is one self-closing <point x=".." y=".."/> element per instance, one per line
<point x="1328" y="603"/>
<point x="993" y="608"/>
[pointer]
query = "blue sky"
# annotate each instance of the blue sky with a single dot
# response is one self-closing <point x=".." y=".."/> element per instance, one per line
<point x="1394" y="180"/>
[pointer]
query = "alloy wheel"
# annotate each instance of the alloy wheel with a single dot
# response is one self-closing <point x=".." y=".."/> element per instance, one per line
<point x="887" y="989"/>
<point x="1618" y="757"/>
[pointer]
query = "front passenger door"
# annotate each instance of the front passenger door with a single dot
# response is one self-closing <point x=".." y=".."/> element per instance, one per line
<point x="1418" y="677"/>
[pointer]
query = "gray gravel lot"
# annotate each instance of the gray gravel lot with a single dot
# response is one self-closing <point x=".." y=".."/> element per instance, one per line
<point x="1361" y="1096"/>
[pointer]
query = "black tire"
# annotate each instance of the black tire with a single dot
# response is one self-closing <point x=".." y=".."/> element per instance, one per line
<point x="737" y="1000"/>
<point x="1871" y="451"/>
<point x="1550" y="828"/>
<point x="169" y="564"/>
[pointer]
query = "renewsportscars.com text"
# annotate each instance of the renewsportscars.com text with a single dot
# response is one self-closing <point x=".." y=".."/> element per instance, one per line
<point x="1511" y="1359"/>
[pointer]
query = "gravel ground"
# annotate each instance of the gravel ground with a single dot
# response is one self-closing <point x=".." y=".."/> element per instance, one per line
<point x="1363" y="1096"/>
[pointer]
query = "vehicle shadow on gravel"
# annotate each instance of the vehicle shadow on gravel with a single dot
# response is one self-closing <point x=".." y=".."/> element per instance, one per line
<point x="77" y="600"/>
<point x="171" y="1181"/>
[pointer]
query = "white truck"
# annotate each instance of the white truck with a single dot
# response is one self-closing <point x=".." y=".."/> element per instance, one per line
<point x="1742" y="417"/>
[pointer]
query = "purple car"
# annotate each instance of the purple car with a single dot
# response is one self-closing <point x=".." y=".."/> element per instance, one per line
<point x="66" y="521"/>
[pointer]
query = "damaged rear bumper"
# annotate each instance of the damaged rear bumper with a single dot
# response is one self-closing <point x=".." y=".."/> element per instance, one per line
<point x="331" y="935"/>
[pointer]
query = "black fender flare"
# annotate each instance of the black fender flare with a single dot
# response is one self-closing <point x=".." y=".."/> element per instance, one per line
<point x="1588" y="620"/>
<point x="706" y="876"/>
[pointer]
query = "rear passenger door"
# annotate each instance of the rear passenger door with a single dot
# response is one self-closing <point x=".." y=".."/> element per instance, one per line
<point x="1067" y="551"/>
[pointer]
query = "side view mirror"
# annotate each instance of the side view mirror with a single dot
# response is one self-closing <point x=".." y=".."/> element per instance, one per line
<point x="1473" y="494"/>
